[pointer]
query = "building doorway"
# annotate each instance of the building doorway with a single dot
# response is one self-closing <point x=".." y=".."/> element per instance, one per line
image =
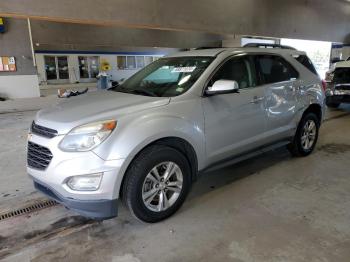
<point x="56" y="69"/>
<point x="88" y="68"/>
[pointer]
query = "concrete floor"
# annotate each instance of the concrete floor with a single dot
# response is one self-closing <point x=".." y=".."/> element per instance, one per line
<point x="270" y="208"/>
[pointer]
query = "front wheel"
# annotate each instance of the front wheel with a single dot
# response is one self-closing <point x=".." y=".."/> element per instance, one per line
<point x="157" y="183"/>
<point x="306" y="136"/>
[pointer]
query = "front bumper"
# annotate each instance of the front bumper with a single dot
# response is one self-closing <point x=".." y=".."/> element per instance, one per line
<point x="98" y="204"/>
<point x="96" y="209"/>
<point x="338" y="99"/>
<point x="337" y="96"/>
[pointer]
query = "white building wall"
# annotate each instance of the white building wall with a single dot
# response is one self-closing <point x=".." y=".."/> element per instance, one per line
<point x="116" y="73"/>
<point x="73" y="66"/>
<point x="19" y="86"/>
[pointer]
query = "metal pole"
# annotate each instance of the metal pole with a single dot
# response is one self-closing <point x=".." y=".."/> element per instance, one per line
<point x="31" y="41"/>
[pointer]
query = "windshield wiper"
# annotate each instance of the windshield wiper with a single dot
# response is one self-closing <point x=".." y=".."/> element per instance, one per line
<point x="133" y="91"/>
<point x="143" y="92"/>
<point x="120" y="89"/>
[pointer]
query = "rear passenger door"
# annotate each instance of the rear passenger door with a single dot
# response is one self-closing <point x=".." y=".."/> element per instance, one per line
<point x="280" y="79"/>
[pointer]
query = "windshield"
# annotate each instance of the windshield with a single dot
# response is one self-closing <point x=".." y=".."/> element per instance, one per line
<point x="166" y="77"/>
<point x="342" y="75"/>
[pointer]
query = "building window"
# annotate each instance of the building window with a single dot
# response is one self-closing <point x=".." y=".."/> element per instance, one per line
<point x="83" y="67"/>
<point x="50" y="67"/>
<point x="56" y="67"/>
<point x="148" y="60"/>
<point x="121" y="62"/>
<point x="62" y="66"/>
<point x="88" y="66"/>
<point x="94" y="66"/>
<point x="140" y="61"/>
<point x="131" y="62"/>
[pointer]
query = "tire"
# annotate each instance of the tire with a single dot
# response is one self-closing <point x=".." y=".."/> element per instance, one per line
<point x="298" y="146"/>
<point x="141" y="181"/>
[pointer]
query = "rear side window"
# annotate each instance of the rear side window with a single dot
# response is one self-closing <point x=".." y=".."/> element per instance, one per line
<point x="305" y="61"/>
<point x="274" y="69"/>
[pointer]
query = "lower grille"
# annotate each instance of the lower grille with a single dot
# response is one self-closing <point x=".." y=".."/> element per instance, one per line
<point x="38" y="157"/>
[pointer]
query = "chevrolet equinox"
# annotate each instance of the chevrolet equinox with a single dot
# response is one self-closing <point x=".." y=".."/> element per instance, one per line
<point x="146" y="140"/>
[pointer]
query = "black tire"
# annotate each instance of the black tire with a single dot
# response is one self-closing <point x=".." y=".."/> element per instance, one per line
<point x="295" y="147"/>
<point x="136" y="175"/>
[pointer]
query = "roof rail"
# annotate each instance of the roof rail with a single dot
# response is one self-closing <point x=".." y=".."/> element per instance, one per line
<point x="206" y="47"/>
<point x="269" y="46"/>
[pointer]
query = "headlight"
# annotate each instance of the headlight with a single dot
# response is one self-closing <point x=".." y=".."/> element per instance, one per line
<point x="85" y="183"/>
<point x="86" y="137"/>
<point x="337" y="92"/>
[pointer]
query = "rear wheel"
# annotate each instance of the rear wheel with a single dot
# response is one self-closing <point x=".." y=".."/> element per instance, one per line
<point x="157" y="183"/>
<point x="306" y="136"/>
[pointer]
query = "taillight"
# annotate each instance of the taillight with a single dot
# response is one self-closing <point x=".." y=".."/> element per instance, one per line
<point x="324" y="85"/>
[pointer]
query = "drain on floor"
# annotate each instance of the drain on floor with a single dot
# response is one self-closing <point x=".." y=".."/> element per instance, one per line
<point x="28" y="209"/>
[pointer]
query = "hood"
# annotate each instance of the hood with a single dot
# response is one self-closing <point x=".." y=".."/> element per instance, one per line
<point x="342" y="64"/>
<point x="94" y="106"/>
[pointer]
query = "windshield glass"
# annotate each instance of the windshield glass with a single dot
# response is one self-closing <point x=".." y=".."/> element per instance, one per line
<point x="166" y="77"/>
<point x="342" y="75"/>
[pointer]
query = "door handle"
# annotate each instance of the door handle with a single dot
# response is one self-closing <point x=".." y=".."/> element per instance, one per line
<point x="257" y="100"/>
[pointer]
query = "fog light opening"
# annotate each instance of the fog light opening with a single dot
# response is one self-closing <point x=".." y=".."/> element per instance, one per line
<point x="85" y="182"/>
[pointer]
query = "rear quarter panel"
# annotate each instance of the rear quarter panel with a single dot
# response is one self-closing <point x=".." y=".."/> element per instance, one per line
<point x="310" y="89"/>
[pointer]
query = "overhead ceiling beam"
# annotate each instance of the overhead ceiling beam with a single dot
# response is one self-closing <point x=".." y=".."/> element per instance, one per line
<point x="50" y="35"/>
<point x="306" y="19"/>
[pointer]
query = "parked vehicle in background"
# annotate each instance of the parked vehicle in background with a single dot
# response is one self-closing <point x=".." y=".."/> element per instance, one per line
<point x="338" y="85"/>
<point x="147" y="139"/>
<point x="329" y="73"/>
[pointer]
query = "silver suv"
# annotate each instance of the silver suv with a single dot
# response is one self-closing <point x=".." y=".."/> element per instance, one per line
<point x="146" y="141"/>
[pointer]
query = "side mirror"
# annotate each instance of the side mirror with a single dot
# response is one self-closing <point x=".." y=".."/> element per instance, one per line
<point x="222" y="87"/>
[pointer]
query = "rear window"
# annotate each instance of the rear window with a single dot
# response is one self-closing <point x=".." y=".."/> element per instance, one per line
<point x="342" y="75"/>
<point x="305" y="61"/>
<point x="273" y="69"/>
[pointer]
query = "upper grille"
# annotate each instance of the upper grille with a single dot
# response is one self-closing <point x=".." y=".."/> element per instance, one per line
<point x="38" y="157"/>
<point x="43" y="131"/>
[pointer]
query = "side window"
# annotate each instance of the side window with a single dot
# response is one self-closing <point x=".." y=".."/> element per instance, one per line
<point x="305" y="61"/>
<point x="237" y="69"/>
<point x="273" y="69"/>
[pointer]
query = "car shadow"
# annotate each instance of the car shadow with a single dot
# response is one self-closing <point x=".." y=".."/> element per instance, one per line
<point x="213" y="180"/>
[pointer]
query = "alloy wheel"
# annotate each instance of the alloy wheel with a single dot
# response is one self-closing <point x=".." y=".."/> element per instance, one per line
<point x="162" y="186"/>
<point x="308" y="136"/>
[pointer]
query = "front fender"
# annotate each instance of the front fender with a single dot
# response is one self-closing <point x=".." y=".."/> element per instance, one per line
<point x="128" y="142"/>
<point x="130" y="137"/>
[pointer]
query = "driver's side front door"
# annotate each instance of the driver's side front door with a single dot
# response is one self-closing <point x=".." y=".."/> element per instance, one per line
<point x="235" y="123"/>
